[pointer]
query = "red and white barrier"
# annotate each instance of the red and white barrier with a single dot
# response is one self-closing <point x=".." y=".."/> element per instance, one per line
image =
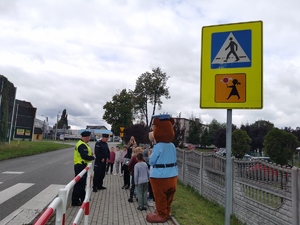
<point x="59" y="204"/>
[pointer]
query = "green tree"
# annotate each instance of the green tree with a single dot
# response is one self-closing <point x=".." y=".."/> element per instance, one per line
<point x="149" y="89"/>
<point x="280" y="145"/>
<point x="195" y="131"/>
<point x="63" y="122"/>
<point x="257" y="131"/>
<point x="213" y="127"/>
<point x="119" y="111"/>
<point x="240" y="143"/>
<point x="220" y="138"/>
<point x="179" y="133"/>
<point x="205" y="140"/>
<point x="140" y="133"/>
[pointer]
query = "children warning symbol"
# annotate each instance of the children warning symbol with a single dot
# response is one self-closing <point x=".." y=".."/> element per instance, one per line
<point x="230" y="88"/>
<point x="231" y="49"/>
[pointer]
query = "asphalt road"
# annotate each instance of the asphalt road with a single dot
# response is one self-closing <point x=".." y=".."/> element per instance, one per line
<point x="41" y="170"/>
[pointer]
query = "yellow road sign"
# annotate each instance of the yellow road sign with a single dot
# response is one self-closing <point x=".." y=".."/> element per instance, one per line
<point x="231" y="66"/>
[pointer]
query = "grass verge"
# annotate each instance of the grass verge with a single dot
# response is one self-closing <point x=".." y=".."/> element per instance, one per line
<point x="190" y="208"/>
<point x="25" y="148"/>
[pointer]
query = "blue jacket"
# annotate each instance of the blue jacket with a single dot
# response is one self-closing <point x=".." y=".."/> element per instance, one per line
<point x="163" y="154"/>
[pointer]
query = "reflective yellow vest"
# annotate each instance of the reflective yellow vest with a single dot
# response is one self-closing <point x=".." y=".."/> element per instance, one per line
<point x="77" y="157"/>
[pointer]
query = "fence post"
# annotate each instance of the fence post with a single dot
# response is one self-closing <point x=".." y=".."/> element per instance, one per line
<point x="201" y="173"/>
<point x="183" y="167"/>
<point x="61" y="209"/>
<point x="232" y="184"/>
<point x="295" y="195"/>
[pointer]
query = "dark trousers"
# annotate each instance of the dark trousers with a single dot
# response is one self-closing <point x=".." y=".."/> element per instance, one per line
<point x="122" y="170"/>
<point x="132" y="186"/>
<point x="99" y="174"/>
<point x="78" y="194"/>
<point x="151" y="195"/>
<point x="111" y="165"/>
<point x="126" y="175"/>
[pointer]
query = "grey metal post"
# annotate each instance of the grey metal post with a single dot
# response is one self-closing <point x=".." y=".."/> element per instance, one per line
<point x="56" y="126"/>
<point x="228" y="178"/>
<point x="12" y="118"/>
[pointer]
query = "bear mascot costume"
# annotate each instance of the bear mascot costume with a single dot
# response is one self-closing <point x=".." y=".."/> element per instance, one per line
<point x="163" y="176"/>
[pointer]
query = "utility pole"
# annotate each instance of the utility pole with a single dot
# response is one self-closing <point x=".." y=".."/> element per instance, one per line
<point x="45" y="126"/>
<point x="56" y="126"/>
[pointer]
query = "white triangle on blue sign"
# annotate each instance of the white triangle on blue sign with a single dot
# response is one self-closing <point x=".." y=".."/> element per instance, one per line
<point x="231" y="52"/>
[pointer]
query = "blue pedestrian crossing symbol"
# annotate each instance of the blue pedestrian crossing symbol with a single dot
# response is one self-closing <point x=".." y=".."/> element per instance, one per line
<point x="231" y="49"/>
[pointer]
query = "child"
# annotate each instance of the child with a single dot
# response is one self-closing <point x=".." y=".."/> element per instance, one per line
<point x="122" y="154"/>
<point x="125" y="169"/>
<point x="131" y="165"/>
<point x="117" y="162"/>
<point x="111" y="161"/>
<point x="141" y="179"/>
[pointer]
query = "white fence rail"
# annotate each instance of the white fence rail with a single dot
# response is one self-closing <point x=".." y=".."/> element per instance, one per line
<point x="59" y="204"/>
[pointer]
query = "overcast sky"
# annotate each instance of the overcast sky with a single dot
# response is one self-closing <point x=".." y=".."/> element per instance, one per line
<point x="77" y="54"/>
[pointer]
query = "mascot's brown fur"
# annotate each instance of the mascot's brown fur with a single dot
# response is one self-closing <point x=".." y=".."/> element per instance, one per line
<point x="163" y="130"/>
<point x="163" y="160"/>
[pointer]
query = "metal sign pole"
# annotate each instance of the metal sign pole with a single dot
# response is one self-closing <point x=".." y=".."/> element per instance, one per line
<point x="228" y="178"/>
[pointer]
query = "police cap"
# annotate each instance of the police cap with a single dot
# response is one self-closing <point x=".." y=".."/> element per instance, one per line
<point x="86" y="133"/>
<point x="105" y="135"/>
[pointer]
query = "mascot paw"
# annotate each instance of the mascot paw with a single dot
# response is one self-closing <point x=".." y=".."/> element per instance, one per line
<point x="155" y="218"/>
<point x="168" y="218"/>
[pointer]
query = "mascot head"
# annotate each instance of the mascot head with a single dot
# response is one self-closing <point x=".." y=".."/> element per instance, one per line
<point x="163" y="128"/>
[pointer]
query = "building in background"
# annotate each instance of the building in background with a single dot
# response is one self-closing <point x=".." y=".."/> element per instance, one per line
<point x="24" y="118"/>
<point x="7" y="101"/>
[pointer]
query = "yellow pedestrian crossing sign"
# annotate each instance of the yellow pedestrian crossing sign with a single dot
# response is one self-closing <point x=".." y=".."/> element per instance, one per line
<point x="231" y="66"/>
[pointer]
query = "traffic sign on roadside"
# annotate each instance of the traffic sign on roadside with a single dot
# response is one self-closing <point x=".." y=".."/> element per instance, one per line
<point x="231" y="66"/>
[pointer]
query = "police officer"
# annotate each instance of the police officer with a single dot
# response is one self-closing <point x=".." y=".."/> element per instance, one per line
<point x="102" y="154"/>
<point x="82" y="156"/>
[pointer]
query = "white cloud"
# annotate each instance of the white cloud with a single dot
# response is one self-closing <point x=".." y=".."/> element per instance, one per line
<point x="76" y="55"/>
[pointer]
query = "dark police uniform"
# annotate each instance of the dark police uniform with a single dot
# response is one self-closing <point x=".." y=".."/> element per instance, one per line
<point x="102" y="154"/>
<point x="82" y="156"/>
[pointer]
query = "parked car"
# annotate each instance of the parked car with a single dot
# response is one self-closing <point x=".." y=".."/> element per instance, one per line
<point x="93" y="138"/>
<point x="191" y="147"/>
<point x="222" y="152"/>
<point x="117" y="139"/>
<point x="247" y="157"/>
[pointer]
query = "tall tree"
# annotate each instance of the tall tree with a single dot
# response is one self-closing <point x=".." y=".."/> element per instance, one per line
<point x="257" y="131"/>
<point x="179" y="133"/>
<point x="240" y="143"/>
<point x="205" y="139"/>
<point x="213" y="127"/>
<point x="140" y="133"/>
<point x="63" y="122"/>
<point x="195" y="131"/>
<point x="280" y="145"/>
<point x="220" y="138"/>
<point x="119" y="111"/>
<point x="149" y="89"/>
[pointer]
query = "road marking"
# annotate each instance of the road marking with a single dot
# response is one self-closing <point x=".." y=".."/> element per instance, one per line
<point x="31" y="209"/>
<point x="12" y="172"/>
<point x="13" y="190"/>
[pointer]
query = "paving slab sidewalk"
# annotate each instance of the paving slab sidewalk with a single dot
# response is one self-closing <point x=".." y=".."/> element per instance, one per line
<point x="111" y="207"/>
